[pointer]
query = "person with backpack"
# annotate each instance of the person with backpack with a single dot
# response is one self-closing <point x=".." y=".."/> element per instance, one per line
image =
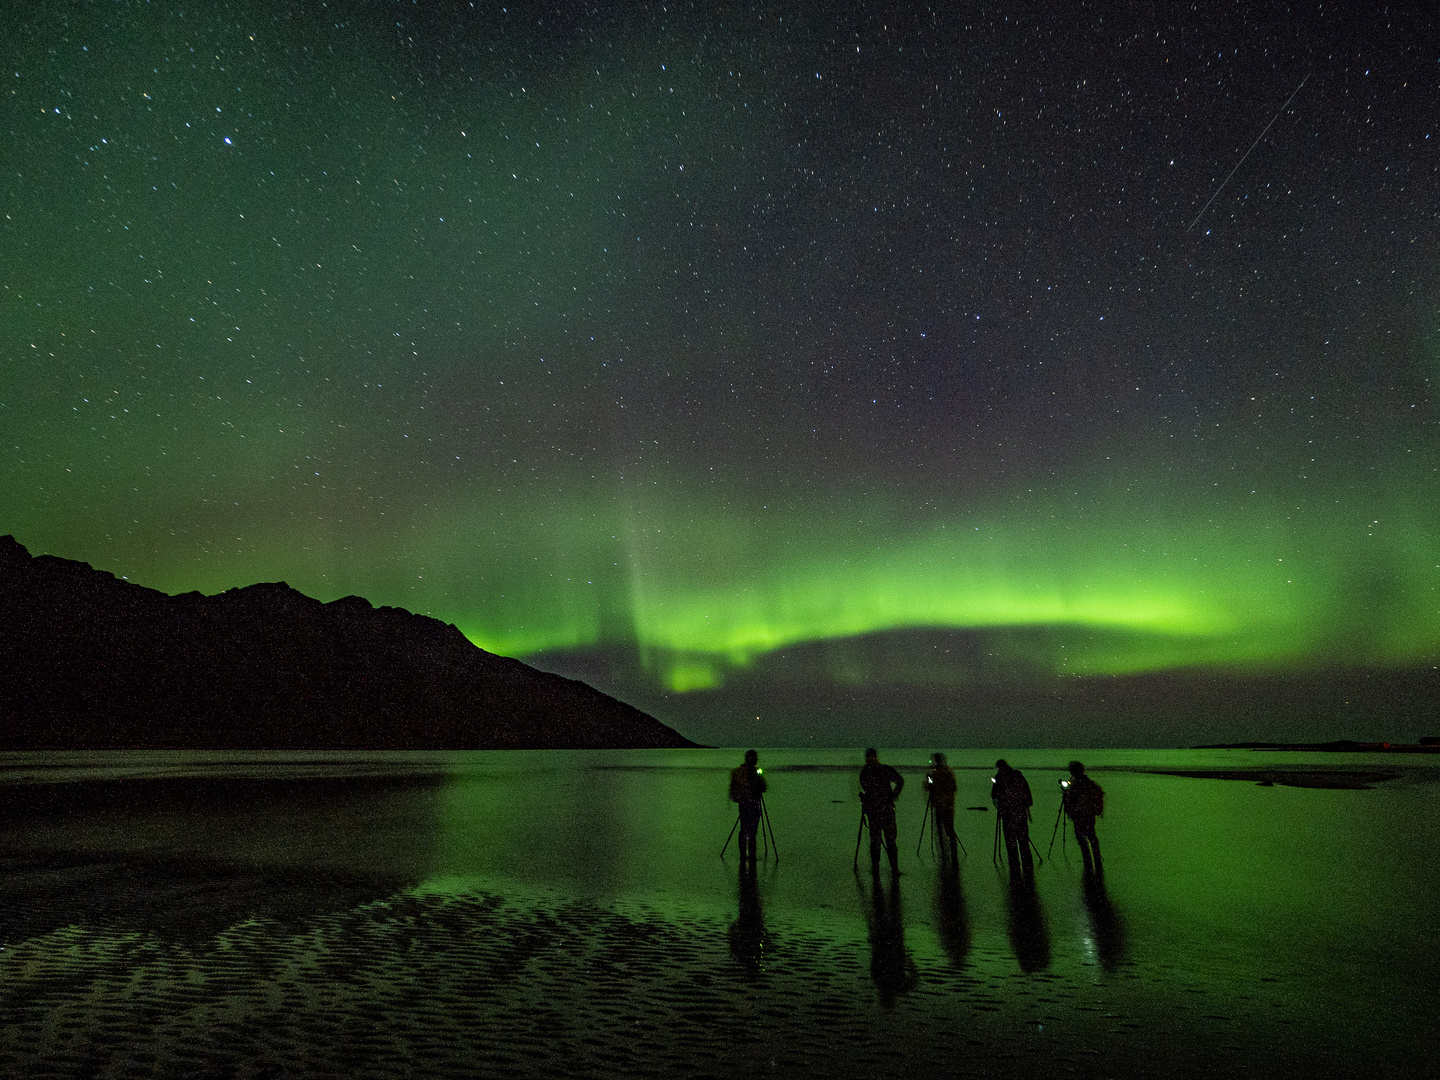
<point x="747" y="790"/>
<point x="1084" y="801"/>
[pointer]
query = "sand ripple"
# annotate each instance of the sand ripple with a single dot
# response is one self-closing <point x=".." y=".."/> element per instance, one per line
<point x="225" y="981"/>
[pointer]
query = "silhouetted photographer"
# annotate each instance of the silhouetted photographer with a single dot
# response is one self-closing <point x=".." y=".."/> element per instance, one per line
<point x="1010" y="792"/>
<point x="940" y="787"/>
<point x="747" y="789"/>
<point x="1084" y="801"/>
<point x="880" y="786"/>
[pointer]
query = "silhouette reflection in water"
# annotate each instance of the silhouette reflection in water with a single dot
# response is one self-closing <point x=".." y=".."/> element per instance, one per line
<point x="1028" y="935"/>
<point x="1107" y="929"/>
<point x="890" y="965"/>
<point x="747" y="933"/>
<point x="951" y="921"/>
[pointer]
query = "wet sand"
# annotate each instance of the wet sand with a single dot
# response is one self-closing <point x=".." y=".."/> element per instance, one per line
<point x="384" y="927"/>
<point x="317" y="982"/>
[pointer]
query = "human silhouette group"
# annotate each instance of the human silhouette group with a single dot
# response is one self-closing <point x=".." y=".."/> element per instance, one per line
<point x="1082" y="801"/>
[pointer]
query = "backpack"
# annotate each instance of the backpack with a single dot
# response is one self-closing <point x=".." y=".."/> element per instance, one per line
<point x="1087" y="799"/>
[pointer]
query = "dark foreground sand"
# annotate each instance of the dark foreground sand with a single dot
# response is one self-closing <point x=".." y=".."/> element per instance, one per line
<point x="126" y="970"/>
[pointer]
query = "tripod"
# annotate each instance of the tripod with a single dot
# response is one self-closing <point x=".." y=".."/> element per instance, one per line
<point x="767" y="831"/>
<point x="1059" y="815"/>
<point x="729" y="838"/>
<point x="930" y="816"/>
<point x="995" y="853"/>
<point x="765" y="821"/>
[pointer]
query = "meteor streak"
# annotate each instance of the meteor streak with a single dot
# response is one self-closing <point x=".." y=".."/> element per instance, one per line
<point x="1247" y="153"/>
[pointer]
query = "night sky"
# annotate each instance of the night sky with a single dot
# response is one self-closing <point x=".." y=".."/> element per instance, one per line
<point x="744" y="359"/>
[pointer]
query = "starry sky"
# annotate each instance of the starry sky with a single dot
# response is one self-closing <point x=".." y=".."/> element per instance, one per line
<point x="745" y="359"/>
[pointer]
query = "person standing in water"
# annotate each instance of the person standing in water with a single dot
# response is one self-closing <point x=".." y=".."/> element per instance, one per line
<point x="880" y="786"/>
<point x="940" y="786"/>
<point x="1084" y="801"/>
<point x="747" y="789"/>
<point x="1010" y="792"/>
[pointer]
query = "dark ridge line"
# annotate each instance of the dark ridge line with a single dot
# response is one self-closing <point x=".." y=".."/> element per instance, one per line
<point x="90" y="662"/>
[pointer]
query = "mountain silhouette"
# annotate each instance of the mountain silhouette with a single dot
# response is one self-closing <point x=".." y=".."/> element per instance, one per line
<point x="88" y="661"/>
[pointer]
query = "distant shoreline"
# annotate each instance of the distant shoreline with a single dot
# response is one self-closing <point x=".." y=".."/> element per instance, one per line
<point x="1338" y="746"/>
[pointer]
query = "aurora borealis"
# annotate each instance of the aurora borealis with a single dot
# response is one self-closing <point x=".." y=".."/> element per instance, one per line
<point x="659" y="343"/>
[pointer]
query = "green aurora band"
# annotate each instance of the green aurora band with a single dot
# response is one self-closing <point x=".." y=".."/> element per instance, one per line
<point x="1143" y="578"/>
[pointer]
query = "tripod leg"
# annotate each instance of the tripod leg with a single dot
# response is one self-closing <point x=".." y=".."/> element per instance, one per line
<point x="730" y="837"/>
<point x="921" y="839"/>
<point x="995" y="852"/>
<point x="765" y="813"/>
<point x="1058" y="815"/>
<point x="1037" y="851"/>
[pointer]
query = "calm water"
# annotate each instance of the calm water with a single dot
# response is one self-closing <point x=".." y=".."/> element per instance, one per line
<point x="1241" y="929"/>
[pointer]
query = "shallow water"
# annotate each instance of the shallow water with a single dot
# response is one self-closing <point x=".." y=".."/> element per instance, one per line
<point x="469" y="914"/>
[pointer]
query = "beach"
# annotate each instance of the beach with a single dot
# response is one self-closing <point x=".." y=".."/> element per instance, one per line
<point x="504" y="914"/>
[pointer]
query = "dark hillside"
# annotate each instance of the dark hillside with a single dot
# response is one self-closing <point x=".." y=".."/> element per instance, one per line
<point x="89" y="661"/>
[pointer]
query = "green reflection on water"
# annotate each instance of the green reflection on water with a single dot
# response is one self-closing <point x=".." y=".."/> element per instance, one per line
<point x="1302" y="876"/>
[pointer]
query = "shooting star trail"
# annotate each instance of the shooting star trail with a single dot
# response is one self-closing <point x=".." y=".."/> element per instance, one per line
<point x="1247" y="153"/>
